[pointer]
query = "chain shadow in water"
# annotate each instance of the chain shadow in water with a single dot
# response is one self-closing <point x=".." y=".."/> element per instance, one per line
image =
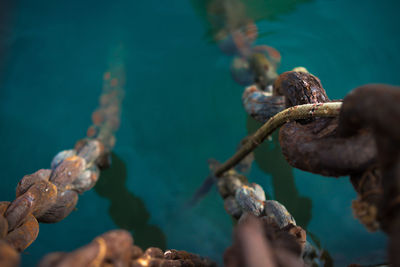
<point x="127" y="210"/>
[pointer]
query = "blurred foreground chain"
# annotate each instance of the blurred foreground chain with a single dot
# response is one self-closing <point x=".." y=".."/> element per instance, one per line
<point x="49" y="195"/>
<point x="115" y="248"/>
<point x="244" y="200"/>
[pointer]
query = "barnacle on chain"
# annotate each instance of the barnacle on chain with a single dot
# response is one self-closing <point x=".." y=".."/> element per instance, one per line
<point x="277" y="213"/>
<point x="232" y="207"/>
<point x="251" y="198"/>
<point x="230" y="182"/>
<point x="262" y="104"/>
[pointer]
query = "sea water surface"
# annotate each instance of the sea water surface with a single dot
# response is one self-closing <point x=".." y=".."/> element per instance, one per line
<point x="181" y="107"/>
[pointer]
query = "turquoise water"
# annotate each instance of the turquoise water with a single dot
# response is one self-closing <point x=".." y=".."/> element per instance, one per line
<point x="181" y="108"/>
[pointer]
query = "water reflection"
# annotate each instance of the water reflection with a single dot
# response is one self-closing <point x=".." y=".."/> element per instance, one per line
<point x="127" y="210"/>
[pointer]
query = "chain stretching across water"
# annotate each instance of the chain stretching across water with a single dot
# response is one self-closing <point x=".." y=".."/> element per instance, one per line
<point x="49" y="195"/>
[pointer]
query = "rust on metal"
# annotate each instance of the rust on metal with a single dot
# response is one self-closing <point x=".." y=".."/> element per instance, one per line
<point x="116" y="248"/>
<point x="21" y="237"/>
<point x="9" y="257"/>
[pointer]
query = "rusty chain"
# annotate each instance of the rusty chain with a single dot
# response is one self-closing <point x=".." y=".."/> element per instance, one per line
<point x="116" y="248"/>
<point x="50" y="195"/>
<point x="243" y="199"/>
<point x="312" y="144"/>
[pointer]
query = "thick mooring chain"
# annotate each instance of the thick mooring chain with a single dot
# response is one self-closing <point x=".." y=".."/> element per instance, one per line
<point x="49" y="195"/>
<point x="368" y="151"/>
<point x="116" y="248"/>
<point x="243" y="200"/>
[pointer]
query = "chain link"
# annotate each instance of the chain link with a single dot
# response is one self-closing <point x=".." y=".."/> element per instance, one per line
<point x="50" y="195"/>
<point x="116" y="248"/>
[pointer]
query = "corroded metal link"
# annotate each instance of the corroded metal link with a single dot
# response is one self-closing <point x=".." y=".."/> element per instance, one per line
<point x="264" y="71"/>
<point x="243" y="200"/>
<point x="3" y="221"/>
<point x="119" y="244"/>
<point x="318" y="146"/>
<point x="64" y="205"/>
<point x="170" y="258"/>
<point x="185" y="257"/>
<point x="301" y="112"/>
<point x="36" y="200"/>
<point x="51" y="201"/>
<point x="275" y="247"/>
<point x="103" y="159"/>
<point x="86" y="180"/>
<point x="300" y="88"/>
<point x="50" y="195"/>
<point x="67" y="172"/>
<point x="370" y="193"/>
<point x="9" y="257"/>
<point x="251" y="198"/>
<point x="18" y="211"/>
<point x="3" y="227"/>
<point x="37" y="195"/>
<point x="313" y="145"/>
<point x="258" y="67"/>
<point x="22" y="236"/>
<point x="115" y="248"/>
<point x="242" y="197"/>
<point x="28" y="180"/>
<point x="89" y="255"/>
<point x="90" y="151"/>
<point x="261" y="105"/>
<point x="60" y="157"/>
<point x="320" y="151"/>
<point x="377" y="106"/>
<point x="371" y="105"/>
